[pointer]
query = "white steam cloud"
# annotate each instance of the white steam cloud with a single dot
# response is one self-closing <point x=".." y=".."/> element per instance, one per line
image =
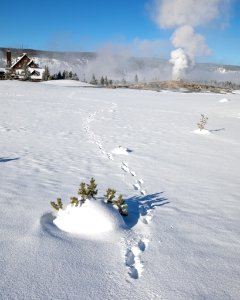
<point x="185" y="15"/>
<point x="180" y="63"/>
<point x="124" y="61"/>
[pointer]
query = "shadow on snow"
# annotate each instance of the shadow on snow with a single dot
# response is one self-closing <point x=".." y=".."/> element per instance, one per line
<point x="6" y="159"/>
<point x="140" y="206"/>
<point x="215" y="130"/>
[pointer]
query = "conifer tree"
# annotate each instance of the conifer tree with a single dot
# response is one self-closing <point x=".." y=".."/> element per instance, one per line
<point x="74" y="201"/>
<point x="106" y="80"/>
<point x="83" y="192"/>
<point x="110" y="195"/>
<point x="57" y="205"/>
<point x="203" y="122"/>
<point x="59" y="75"/>
<point x="46" y="75"/>
<point x="93" y="80"/>
<point x="102" y="81"/>
<point x="66" y="75"/>
<point x="92" y="188"/>
<point x="121" y="205"/>
<point x="75" y="77"/>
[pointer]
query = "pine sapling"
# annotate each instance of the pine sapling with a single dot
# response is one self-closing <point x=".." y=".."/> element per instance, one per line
<point x="74" y="201"/>
<point x="203" y="122"/>
<point x="57" y="205"/>
<point x="121" y="205"/>
<point x="110" y="195"/>
<point x="83" y="192"/>
<point x="92" y="188"/>
<point x="124" y="210"/>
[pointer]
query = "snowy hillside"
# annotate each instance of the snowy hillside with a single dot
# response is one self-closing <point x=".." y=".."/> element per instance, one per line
<point x="181" y="238"/>
<point x="121" y="65"/>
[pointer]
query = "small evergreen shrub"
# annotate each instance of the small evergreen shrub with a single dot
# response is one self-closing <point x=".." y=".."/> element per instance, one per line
<point x="110" y="195"/>
<point x="74" y="201"/>
<point x="57" y="205"/>
<point x="83" y="192"/>
<point x="203" y="122"/>
<point x="92" y="189"/>
<point x="119" y="203"/>
<point x="89" y="191"/>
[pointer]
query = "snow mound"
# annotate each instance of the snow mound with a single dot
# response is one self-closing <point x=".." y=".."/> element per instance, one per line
<point x="90" y="219"/>
<point x="223" y="100"/>
<point x="66" y="82"/>
<point x="121" y="150"/>
<point x="236" y="92"/>
<point x="202" y="132"/>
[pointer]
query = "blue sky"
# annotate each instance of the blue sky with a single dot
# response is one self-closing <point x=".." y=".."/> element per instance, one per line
<point x="80" y="25"/>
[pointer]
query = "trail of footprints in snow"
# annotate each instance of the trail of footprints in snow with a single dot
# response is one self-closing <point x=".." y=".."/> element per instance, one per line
<point x="146" y="211"/>
<point x="133" y="256"/>
<point x="96" y="140"/>
<point x="138" y="183"/>
<point x="135" y="245"/>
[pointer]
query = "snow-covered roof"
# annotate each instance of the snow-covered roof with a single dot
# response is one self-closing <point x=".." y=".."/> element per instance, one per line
<point x="2" y="70"/>
<point x="18" y="59"/>
<point x="38" y="70"/>
<point x="30" y="62"/>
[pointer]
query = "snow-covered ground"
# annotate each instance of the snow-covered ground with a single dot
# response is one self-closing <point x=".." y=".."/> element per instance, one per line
<point x="68" y="83"/>
<point x="181" y="239"/>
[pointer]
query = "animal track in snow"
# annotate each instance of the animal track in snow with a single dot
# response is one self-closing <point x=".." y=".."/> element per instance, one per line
<point x="136" y="186"/>
<point x="146" y="213"/>
<point x="143" y="244"/>
<point x="146" y="219"/>
<point x="125" y="164"/>
<point x="133" y="258"/>
<point x="110" y="156"/>
<point x="92" y="137"/>
<point x="125" y="169"/>
<point x="135" y="246"/>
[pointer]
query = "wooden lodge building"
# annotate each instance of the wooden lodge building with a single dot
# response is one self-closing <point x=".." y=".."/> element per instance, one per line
<point x="23" y="68"/>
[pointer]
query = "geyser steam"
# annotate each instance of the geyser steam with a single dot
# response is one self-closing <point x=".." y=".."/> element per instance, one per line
<point x="180" y="63"/>
<point x="185" y="16"/>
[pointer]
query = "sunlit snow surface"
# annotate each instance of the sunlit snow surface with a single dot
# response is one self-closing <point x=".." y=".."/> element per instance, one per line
<point x="120" y="150"/>
<point x="90" y="219"/>
<point x="202" y="131"/>
<point x="224" y="100"/>
<point x="181" y="239"/>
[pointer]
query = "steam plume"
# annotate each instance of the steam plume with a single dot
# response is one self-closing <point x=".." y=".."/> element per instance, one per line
<point x="180" y="63"/>
<point x="185" y="16"/>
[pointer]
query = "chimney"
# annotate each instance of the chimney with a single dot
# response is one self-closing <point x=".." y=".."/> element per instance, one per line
<point x="9" y="58"/>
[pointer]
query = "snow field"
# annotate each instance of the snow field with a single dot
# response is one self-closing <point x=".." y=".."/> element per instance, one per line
<point x="181" y="239"/>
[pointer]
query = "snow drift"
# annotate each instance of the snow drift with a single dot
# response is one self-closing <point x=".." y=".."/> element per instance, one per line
<point x="90" y="219"/>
